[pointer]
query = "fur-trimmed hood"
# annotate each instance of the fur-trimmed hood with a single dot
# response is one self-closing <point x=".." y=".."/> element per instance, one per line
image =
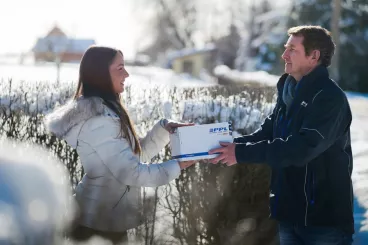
<point x="65" y="121"/>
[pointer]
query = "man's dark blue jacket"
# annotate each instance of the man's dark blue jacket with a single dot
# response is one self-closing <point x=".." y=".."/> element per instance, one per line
<point x="309" y="151"/>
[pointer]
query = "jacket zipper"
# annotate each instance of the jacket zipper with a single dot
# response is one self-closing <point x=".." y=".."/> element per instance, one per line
<point x="313" y="190"/>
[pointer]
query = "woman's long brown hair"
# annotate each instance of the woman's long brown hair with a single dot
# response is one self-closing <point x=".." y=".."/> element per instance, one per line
<point x="95" y="80"/>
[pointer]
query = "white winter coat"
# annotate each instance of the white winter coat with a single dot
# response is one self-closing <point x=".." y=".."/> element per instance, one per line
<point x="109" y="193"/>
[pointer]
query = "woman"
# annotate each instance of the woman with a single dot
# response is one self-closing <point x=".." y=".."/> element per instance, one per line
<point x="97" y="125"/>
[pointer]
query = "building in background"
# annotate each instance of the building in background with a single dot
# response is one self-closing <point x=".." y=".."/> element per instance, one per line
<point x="192" y="61"/>
<point x="57" y="47"/>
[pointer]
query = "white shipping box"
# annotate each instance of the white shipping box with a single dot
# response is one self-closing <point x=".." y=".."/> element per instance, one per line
<point x="194" y="142"/>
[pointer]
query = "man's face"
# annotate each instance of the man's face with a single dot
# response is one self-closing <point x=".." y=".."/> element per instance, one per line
<point x="297" y="64"/>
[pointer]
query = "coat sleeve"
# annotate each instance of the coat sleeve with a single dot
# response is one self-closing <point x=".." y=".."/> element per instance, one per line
<point x="156" y="139"/>
<point x="119" y="159"/>
<point x="326" y="121"/>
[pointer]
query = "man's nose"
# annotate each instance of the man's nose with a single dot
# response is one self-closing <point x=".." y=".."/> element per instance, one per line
<point x="285" y="55"/>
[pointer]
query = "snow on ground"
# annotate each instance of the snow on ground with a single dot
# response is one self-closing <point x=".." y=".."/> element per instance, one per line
<point x="158" y="75"/>
<point x="359" y="135"/>
<point x="145" y="74"/>
<point x="246" y="77"/>
<point x="69" y="72"/>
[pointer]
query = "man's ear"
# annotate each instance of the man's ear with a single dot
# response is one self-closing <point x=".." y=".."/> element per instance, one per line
<point x="315" y="55"/>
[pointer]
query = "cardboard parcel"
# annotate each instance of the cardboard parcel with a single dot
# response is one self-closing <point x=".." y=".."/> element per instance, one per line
<point x="194" y="142"/>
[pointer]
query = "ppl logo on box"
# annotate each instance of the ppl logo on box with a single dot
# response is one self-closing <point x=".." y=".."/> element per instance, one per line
<point x="218" y="130"/>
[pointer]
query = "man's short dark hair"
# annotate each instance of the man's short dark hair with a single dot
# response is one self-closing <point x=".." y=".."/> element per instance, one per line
<point x="316" y="38"/>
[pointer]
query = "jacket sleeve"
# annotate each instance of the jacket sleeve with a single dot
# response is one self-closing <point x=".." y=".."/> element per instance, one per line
<point x="156" y="139"/>
<point x="324" y="123"/>
<point x="119" y="159"/>
<point x="263" y="133"/>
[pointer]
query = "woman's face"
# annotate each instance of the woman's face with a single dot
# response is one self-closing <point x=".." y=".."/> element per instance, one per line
<point x="118" y="73"/>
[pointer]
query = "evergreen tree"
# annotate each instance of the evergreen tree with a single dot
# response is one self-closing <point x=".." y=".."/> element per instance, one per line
<point x="354" y="45"/>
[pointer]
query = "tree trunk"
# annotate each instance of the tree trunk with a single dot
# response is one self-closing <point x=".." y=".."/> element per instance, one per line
<point x="335" y="31"/>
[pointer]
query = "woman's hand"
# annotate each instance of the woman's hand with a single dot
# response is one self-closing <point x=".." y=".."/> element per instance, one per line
<point x="170" y="126"/>
<point x="186" y="164"/>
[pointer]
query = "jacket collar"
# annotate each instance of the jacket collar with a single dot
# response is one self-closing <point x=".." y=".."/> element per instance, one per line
<point x="308" y="82"/>
<point x="66" y="117"/>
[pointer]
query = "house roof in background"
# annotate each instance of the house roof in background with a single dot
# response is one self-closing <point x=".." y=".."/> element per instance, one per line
<point x="190" y="51"/>
<point x="187" y="52"/>
<point x="57" y="41"/>
<point x="62" y="44"/>
<point x="56" y="31"/>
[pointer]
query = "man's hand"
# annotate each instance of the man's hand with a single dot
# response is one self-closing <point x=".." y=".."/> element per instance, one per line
<point x="227" y="154"/>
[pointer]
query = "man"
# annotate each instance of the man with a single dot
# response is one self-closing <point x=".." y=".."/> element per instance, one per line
<point x="306" y="142"/>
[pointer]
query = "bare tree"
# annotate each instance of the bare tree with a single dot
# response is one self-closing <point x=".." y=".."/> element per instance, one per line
<point x="245" y="43"/>
<point x="335" y="30"/>
<point x="263" y="19"/>
<point x="173" y="26"/>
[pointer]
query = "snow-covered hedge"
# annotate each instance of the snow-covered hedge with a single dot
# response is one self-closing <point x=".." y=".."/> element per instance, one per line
<point x="244" y="105"/>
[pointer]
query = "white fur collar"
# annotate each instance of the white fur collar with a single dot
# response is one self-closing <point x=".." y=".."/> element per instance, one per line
<point x="64" y="118"/>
